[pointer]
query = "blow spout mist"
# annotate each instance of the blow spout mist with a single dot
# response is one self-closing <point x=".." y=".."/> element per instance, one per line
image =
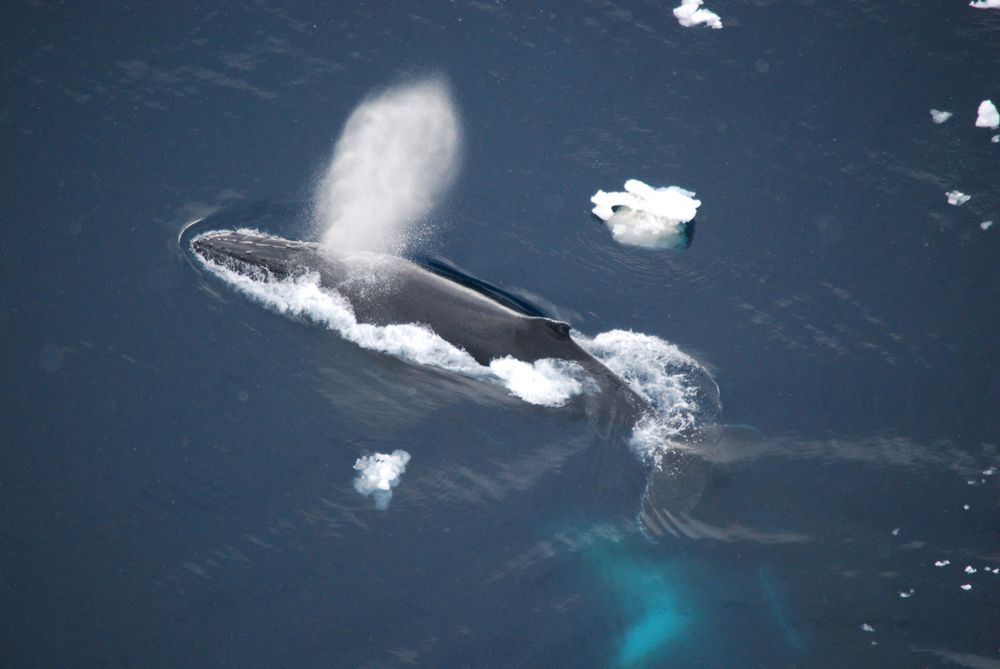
<point x="397" y="155"/>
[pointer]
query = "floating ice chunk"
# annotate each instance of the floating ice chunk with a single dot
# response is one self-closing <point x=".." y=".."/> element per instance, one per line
<point x="969" y="569"/>
<point x="985" y="225"/>
<point x="985" y="4"/>
<point x="690" y="14"/>
<point x="957" y="198"/>
<point x="646" y="216"/>
<point x="546" y="382"/>
<point x="942" y="563"/>
<point x="865" y="627"/>
<point x="378" y="474"/>
<point x="996" y="570"/>
<point x="988" y="116"/>
<point x="966" y="507"/>
<point x="967" y="586"/>
<point x="940" y="117"/>
<point x="992" y="469"/>
<point x="995" y="139"/>
<point x="907" y="593"/>
<point x="895" y="532"/>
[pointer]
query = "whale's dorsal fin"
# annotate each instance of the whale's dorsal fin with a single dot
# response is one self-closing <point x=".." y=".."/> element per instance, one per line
<point x="560" y="328"/>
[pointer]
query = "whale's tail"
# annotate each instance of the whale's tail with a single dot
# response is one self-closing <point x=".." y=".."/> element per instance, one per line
<point x="674" y="490"/>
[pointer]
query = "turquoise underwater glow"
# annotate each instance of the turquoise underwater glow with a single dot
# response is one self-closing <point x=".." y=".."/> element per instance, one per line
<point x="649" y="603"/>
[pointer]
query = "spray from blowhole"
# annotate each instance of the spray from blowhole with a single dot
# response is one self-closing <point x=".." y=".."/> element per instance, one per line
<point x="398" y="154"/>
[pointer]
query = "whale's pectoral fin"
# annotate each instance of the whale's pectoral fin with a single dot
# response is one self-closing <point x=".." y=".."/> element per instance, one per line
<point x="675" y="488"/>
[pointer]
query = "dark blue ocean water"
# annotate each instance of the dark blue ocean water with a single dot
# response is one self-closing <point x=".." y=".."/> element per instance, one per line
<point x="176" y="461"/>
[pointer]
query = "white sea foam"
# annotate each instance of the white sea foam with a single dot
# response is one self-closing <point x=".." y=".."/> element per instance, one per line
<point x="378" y="474"/>
<point x="940" y="117"/>
<point x="683" y="395"/>
<point x="987" y="115"/>
<point x="647" y="216"/>
<point x="543" y="382"/>
<point x="398" y="153"/>
<point x="690" y="14"/>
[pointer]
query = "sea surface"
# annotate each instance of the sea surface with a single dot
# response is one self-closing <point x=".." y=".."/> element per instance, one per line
<point x="177" y="459"/>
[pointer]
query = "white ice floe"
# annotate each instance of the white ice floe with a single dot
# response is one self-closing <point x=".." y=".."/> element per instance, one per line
<point x="995" y="139"/>
<point x="966" y="507"/>
<point x="985" y="225"/>
<point x="690" y="14"/>
<point x="988" y="116"/>
<point x="957" y="197"/>
<point x="895" y="532"/>
<point x="378" y="474"/>
<point x="942" y="563"/>
<point x="967" y="586"/>
<point x="940" y="117"/>
<point x="985" y="4"/>
<point x="906" y="594"/>
<point x="865" y="627"/>
<point x="969" y="569"/>
<point x="646" y="216"/>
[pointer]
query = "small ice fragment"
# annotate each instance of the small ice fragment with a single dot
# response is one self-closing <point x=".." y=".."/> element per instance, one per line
<point x="907" y="594"/>
<point x="967" y="586"/>
<point x="966" y="506"/>
<point x="378" y="474"/>
<point x="992" y="469"/>
<point x="957" y="197"/>
<point x="895" y="532"/>
<point x="645" y="216"/>
<point x="865" y="627"/>
<point x="969" y="569"/>
<point x="985" y="4"/>
<point x="996" y="570"/>
<point x="985" y="225"/>
<point x="995" y="139"/>
<point x="942" y="563"/>
<point x="690" y="14"/>
<point x="987" y="115"/>
<point x="940" y="117"/>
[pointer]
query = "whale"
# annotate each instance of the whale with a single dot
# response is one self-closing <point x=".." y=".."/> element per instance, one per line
<point x="488" y="324"/>
<point x="385" y="290"/>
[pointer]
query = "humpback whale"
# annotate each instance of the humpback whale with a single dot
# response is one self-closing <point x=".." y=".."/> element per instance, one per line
<point x="487" y="324"/>
<point x="385" y="290"/>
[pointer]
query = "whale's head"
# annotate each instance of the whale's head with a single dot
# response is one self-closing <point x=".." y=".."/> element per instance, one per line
<point x="251" y="253"/>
